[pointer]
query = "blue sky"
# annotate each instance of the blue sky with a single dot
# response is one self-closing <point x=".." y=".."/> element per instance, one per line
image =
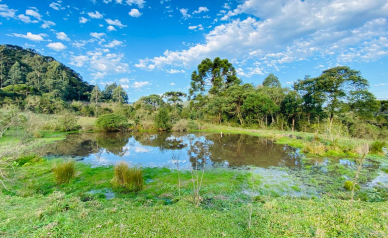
<point x="153" y="46"/>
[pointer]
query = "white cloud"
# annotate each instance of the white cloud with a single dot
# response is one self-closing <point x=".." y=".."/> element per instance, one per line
<point x="172" y="84"/>
<point x="124" y="80"/>
<point x="111" y="28"/>
<point x="95" y="15"/>
<point x="113" y="43"/>
<point x="381" y="84"/>
<point x="201" y="9"/>
<point x="57" y="6"/>
<point x="134" y="13"/>
<point x="103" y="64"/>
<point x="33" y="13"/>
<point x="57" y="46"/>
<point x="99" y="75"/>
<point x="115" y="23"/>
<point x="30" y="36"/>
<point x="185" y="15"/>
<point x="26" y="19"/>
<point x="97" y="35"/>
<point x="83" y="20"/>
<point x="199" y="27"/>
<point x="175" y="71"/>
<point x="139" y="3"/>
<point x="47" y="24"/>
<point x="346" y="31"/>
<point x="79" y="61"/>
<point x="62" y="36"/>
<point x="7" y="12"/>
<point x="140" y="84"/>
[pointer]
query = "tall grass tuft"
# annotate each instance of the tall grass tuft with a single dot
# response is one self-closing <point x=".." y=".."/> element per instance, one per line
<point x="377" y="147"/>
<point x="64" y="172"/>
<point x="130" y="179"/>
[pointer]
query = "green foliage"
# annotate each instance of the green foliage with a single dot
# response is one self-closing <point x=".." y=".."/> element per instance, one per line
<point x="131" y="179"/>
<point x="119" y="95"/>
<point x="162" y="119"/>
<point x="68" y="122"/>
<point x="377" y="147"/>
<point x="112" y="122"/>
<point x="64" y="172"/>
<point x="28" y="159"/>
<point x="272" y="81"/>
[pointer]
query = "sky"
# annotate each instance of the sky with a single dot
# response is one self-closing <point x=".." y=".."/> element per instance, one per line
<point x="151" y="47"/>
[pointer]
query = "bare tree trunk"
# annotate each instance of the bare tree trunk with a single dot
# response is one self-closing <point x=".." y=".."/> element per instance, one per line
<point x="293" y="124"/>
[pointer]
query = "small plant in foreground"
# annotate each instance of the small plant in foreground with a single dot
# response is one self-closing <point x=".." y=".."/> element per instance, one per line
<point x="130" y="179"/>
<point x="362" y="152"/>
<point x="64" y="172"/>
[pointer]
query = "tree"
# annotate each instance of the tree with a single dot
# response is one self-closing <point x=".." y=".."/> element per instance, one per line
<point x="174" y="97"/>
<point x="119" y="95"/>
<point x="272" y="81"/>
<point x="236" y="95"/>
<point x="154" y="101"/>
<point x="218" y="74"/>
<point x="334" y="88"/>
<point x="217" y="106"/>
<point x="162" y="119"/>
<point x="96" y="96"/>
<point x="292" y="106"/>
<point x="15" y="74"/>
<point x="261" y="105"/>
<point x="108" y="91"/>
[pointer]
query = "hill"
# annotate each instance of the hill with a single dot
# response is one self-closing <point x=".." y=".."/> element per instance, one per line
<point x="24" y="72"/>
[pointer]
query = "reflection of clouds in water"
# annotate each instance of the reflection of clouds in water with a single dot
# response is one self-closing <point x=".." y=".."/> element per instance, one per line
<point x="139" y="149"/>
<point x="100" y="161"/>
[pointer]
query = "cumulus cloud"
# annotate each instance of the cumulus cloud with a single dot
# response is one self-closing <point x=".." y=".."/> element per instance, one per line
<point x="62" y="36"/>
<point x="201" y="9"/>
<point x="47" y="24"/>
<point x="140" y="84"/>
<point x="57" y="46"/>
<point x="97" y="35"/>
<point x="139" y="3"/>
<point x="134" y="13"/>
<point x="199" y="27"/>
<point x="95" y="15"/>
<point x="7" y="12"/>
<point x="113" y="43"/>
<point x="56" y="5"/>
<point x="79" y="61"/>
<point x="30" y="36"/>
<point x="274" y="33"/>
<point x="111" y="28"/>
<point x="83" y="20"/>
<point x="26" y="19"/>
<point x="184" y="11"/>
<point x="115" y="23"/>
<point x="175" y="71"/>
<point x="33" y="13"/>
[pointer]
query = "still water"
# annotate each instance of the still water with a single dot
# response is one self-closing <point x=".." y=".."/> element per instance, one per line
<point x="176" y="149"/>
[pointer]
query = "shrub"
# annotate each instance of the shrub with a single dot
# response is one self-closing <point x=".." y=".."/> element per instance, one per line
<point x="162" y="120"/>
<point x="28" y="159"/>
<point x="377" y="147"/>
<point x="181" y="125"/>
<point x="112" y="122"/>
<point x="192" y="125"/>
<point x="64" y="172"/>
<point x="348" y="185"/>
<point x="68" y="122"/>
<point x="315" y="148"/>
<point x="130" y="179"/>
<point x="364" y="130"/>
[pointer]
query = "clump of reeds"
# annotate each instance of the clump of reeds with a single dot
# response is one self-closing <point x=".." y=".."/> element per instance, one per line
<point x="131" y="179"/>
<point x="64" y="172"/>
<point x="377" y="147"/>
<point x="315" y="148"/>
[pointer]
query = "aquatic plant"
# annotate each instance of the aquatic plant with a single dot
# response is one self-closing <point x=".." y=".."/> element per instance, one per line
<point x="131" y="179"/>
<point x="377" y="147"/>
<point x="64" y="172"/>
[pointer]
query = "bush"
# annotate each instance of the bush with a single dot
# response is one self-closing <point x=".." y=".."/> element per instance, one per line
<point x="64" y="172"/>
<point x="377" y="147"/>
<point x="130" y="179"/>
<point x="192" y="125"/>
<point x="112" y="122"/>
<point x="363" y="130"/>
<point x="181" y="125"/>
<point x="68" y="122"/>
<point x="348" y="185"/>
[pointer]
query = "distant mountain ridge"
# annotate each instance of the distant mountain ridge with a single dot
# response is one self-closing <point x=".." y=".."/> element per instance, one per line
<point x="24" y="71"/>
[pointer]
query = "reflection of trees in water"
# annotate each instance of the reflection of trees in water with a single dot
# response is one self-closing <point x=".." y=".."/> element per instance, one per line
<point x="162" y="140"/>
<point x="239" y="150"/>
<point x="198" y="152"/>
<point x="114" y="143"/>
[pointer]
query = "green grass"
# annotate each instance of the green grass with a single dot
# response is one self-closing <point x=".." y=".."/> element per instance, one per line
<point x="36" y="206"/>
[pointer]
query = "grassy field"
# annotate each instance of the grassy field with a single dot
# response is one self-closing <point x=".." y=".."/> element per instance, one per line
<point x="35" y="206"/>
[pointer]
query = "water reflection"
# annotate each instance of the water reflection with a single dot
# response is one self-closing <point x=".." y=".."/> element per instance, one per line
<point x="159" y="149"/>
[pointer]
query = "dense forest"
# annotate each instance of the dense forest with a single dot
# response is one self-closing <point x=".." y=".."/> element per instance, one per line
<point x="336" y="100"/>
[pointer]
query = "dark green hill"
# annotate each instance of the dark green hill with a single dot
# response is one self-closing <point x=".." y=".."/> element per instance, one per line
<point x="24" y="72"/>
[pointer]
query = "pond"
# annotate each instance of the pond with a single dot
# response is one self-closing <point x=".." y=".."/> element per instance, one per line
<point x="172" y="149"/>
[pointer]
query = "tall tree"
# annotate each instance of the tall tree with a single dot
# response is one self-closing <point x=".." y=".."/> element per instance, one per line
<point x="260" y="105"/>
<point x="174" y="97"/>
<point x="236" y="96"/>
<point x="334" y="87"/>
<point x="15" y="75"/>
<point x="218" y="74"/>
<point x="119" y="95"/>
<point x="292" y="106"/>
<point x="272" y="81"/>
<point x="108" y="91"/>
